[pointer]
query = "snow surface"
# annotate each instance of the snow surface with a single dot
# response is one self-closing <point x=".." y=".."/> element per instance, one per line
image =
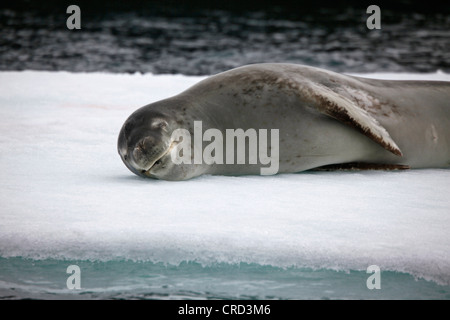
<point x="65" y="193"/>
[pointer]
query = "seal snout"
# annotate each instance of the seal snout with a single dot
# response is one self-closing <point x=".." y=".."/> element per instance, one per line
<point x="146" y="152"/>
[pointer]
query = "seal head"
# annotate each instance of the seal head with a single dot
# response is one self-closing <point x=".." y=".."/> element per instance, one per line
<point x="145" y="143"/>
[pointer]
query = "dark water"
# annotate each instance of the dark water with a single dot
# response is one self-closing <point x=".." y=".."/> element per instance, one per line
<point x="201" y="37"/>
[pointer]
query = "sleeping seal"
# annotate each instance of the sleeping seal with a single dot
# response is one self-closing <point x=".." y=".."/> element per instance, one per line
<point x="321" y="119"/>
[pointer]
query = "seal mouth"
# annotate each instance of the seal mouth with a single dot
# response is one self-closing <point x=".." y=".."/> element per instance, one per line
<point x="158" y="161"/>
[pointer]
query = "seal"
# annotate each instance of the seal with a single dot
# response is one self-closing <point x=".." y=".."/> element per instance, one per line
<point x="324" y="119"/>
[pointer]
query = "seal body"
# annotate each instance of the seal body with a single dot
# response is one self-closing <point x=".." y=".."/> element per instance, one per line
<point x="323" y="119"/>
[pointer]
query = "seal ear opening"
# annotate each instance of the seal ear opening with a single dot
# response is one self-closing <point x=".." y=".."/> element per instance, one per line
<point x="342" y="109"/>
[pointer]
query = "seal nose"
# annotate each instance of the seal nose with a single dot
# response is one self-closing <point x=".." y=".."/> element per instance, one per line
<point x="145" y="153"/>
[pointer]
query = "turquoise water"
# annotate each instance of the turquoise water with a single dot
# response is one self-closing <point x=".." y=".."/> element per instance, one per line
<point x="47" y="279"/>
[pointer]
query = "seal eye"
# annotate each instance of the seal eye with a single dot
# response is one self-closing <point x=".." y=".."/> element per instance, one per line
<point x="163" y="125"/>
<point x="160" y="124"/>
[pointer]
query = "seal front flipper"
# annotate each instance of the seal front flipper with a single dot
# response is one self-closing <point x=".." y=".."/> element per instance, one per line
<point x="346" y="111"/>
